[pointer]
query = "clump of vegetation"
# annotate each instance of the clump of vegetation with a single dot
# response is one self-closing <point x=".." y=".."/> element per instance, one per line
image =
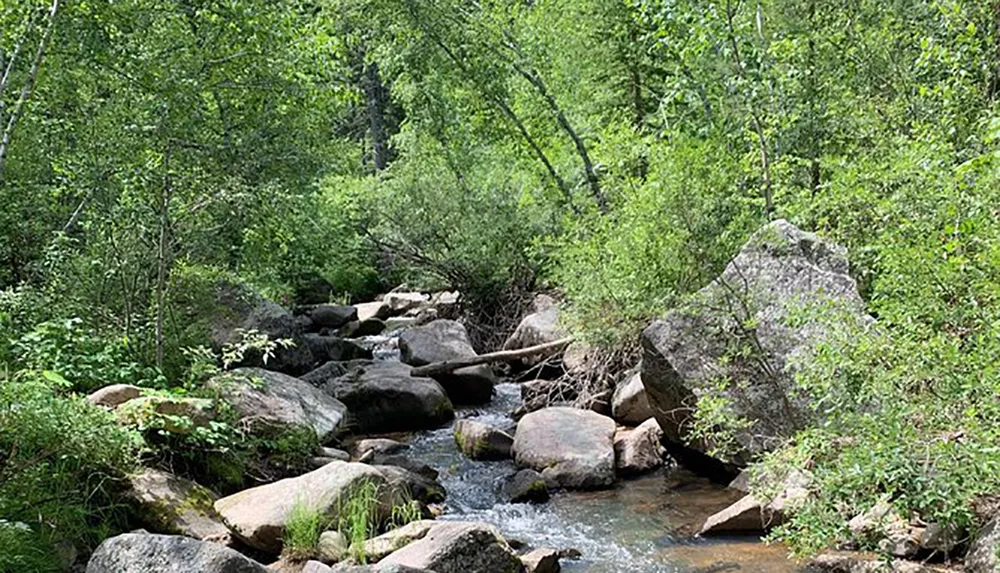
<point x="302" y="530"/>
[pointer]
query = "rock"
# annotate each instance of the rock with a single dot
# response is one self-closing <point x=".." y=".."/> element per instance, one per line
<point x="526" y="486"/>
<point x="629" y="404"/>
<point x="357" y="329"/>
<point x="849" y="562"/>
<point x="577" y="359"/>
<point x="333" y="349"/>
<point x="750" y="515"/>
<point x="943" y="539"/>
<point x="542" y="560"/>
<point x="377" y="445"/>
<point x="317" y="462"/>
<point x="984" y="549"/>
<point x="332" y="547"/>
<point x="258" y="515"/>
<point x="376" y="568"/>
<point x="447" y="340"/>
<point x="894" y="534"/>
<point x="410" y="486"/>
<point x="402" y="461"/>
<point x="459" y="548"/>
<point x="114" y="395"/>
<point x="780" y="270"/>
<point x="538" y="394"/>
<point x="539" y="327"/>
<point x="571" y="448"/>
<point x="169" y="504"/>
<point x="131" y="553"/>
<point x="639" y="450"/>
<point x="176" y="415"/>
<point x="240" y="310"/>
<point x="315" y="567"/>
<point x="384" y="397"/>
<point x="741" y="482"/>
<point x="378" y="548"/>
<point x="481" y="441"/>
<point x="369" y="310"/>
<point x="279" y="400"/>
<point x="401" y="302"/>
<point x="400" y="323"/>
<point x="332" y="316"/>
<point x="334" y="453"/>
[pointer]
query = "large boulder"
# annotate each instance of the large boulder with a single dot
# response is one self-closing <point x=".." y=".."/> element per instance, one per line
<point x="114" y="395"/>
<point x="481" y="441"/>
<point x="443" y="340"/>
<point x="984" y="549"/>
<point x="630" y="404"/>
<point x="258" y="515"/>
<point x="240" y="310"/>
<point x="281" y="401"/>
<point x="145" y="553"/>
<point x="539" y="327"/>
<point x="383" y="396"/>
<point x="639" y="450"/>
<point x="746" y="330"/>
<point x="571" y="448"/>
<point x="459" y="548"/>
<point x="169" y="504"/>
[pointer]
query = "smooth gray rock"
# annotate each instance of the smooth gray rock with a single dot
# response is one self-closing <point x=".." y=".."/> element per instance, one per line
<point x="442" y="340"/>
<point x="453" y="547"/>
<point x="114" y="395"/>
<point x="272" y="398"/>
<point x="526" y="486"/>
<point x="539" y="327"/>
<point x="777" y="276"/>
<point x="144" y="553"/>
<point x="383" y="396"/>
<point x="572" y="448"/>
<point x="630" y="404"/>
<point x="639" y="450"/>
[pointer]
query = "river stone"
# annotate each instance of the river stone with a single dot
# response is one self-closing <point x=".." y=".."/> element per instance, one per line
<point x="114" y="395"/>
<point x="240" y="309"/>
<point x="258" y="515"/>
<point x="360" y="328"/>
<point x="571" y="448"/>
<point x="481" y="441"/>
<point x="539" y="327"/>
<point x="327" y="348"/>
<point x="850" y="562"/>
<point x="541" y="560"/>
<point x="984" y="549"/>
<point x="417" y="487"/>
<point x="332" y="547"/>
<point x="334" y="453"/>
<point x="443" y="340"/>
<point x="279" y="400"/>
<point x="459" y="548"/>
<point x="750" y="515"/>
<point x="402" y="302"/>
<point x="145" y="553"/>
<point x="376" y="568"/>
<point x="377" y="445"/>
<point x="780" y="271"/>
<point x="169" y="504"/>
<point x="630" y="405"/>
<point x="378" y="548"/>
<point x="332" y="316"/>
<point x="383" y="396"/>
<point x="315" y="567"/>
<point x="639" y="450"/>
<point x="526" y="486"/>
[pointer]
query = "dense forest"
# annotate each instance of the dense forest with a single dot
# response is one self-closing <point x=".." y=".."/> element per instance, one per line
<point x="616" y="155"/>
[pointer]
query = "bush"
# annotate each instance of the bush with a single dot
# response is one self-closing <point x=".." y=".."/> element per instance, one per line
<point x="302" y="530"/>
<point x="60" y="457"/>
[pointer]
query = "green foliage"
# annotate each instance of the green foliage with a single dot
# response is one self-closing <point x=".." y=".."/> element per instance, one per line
<point x="359" y="518"/>
<point x="59" y="459"/>
<point x="302" y="530"/>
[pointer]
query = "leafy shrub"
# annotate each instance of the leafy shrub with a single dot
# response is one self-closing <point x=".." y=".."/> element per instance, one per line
<point x="59" y="459"/>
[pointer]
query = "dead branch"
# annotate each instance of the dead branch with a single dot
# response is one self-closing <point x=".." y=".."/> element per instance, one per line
<point x="501" y="356"/>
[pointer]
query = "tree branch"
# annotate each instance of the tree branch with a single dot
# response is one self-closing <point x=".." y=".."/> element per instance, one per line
<point x="500" y="356"/>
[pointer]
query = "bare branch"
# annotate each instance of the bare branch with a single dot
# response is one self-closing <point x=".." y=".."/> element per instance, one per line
<point x="501" y="356"/>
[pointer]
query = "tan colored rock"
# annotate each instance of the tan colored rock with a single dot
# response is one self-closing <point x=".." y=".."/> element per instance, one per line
<point x="258" y="515"/>
<point x="454" y="547"/>
<point x="369" y="310"/>
<point x="751" y="515"/>
<point x="332" y="547"/>
<point x="630" y="405"/>
<point x="378" y="548"/>
<point x="639" y="450"/>
<point x="169" y="504"/>
<point x="571" y="448"/>
<point x="481" y="441"/>
<point x="542" y="560"/>
<point x="114" y="395"/>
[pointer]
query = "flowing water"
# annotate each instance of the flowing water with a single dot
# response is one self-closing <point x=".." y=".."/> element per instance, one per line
<point x="641" y="525"/>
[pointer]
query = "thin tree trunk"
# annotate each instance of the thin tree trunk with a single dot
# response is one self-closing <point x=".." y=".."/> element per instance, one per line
<point x="29" y="85"/>
<point x="447" y="366"/>
<point x="765" y="160"/>
<point x="162" y="263"/>
<point x="375" y="96"/>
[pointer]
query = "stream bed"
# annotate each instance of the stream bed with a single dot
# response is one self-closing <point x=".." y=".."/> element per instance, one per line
<point x="643" y="524"/>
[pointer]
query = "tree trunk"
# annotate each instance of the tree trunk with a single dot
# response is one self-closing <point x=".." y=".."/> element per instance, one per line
<point x="375" y="98"/>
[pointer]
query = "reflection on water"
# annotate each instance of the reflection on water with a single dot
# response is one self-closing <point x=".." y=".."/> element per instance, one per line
<point x="641" y="525"/>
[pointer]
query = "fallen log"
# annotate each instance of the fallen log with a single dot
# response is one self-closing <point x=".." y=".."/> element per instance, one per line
<point x="447" y="366"/>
